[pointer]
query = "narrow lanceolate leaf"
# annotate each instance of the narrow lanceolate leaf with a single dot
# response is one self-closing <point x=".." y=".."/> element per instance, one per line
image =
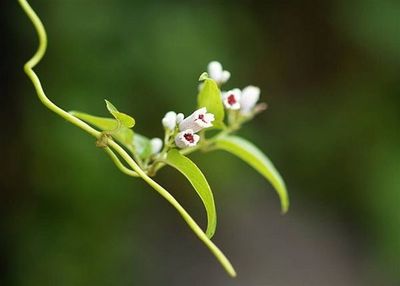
<point x="249" y="153"/>
<point x="134" y="142"/>
<point x="199" y="183"/>
<point x="102" y="123"/>
<point x="124" y="119"/>
<point x="210" y="97"/>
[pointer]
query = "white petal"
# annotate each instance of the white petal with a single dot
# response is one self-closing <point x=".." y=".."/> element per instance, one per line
<point x="195" y="123"/>
<point x="215" y="70"/>
<point x="198" y="125"/>
<point x="202" y="110"/>
<point x="209" y="117"/>
<point x="251" y="90"/>
<point x="156" y="145"/>
<point x="236" y="92"/>
<point x="169" y="120"/>
<point x="187" y="123"/>
<point x="226" y="98"/>
<point x="179" y="117"/>
<point x="226" y="75"/>
<point x="201" y="125"/>
<point x="196" y="139"/>
<point x="181" y="139"/>
<point x="168" y="123"/>
<point x="250" y="96"/>
<point x="170" y="114"/>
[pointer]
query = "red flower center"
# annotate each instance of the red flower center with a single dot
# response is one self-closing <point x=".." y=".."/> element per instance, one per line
<point x="189" y="137"/>
<point x="201" y="117"/>
<point x="231" y="99"/>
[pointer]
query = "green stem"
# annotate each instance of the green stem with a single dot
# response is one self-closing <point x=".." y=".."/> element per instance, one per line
<point x="185" y="215"/>
<point x="28" y="68"/>
<point x="119" y="164"/>
<point x="117" y="148"/>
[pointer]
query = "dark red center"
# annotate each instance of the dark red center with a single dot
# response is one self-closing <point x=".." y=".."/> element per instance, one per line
<point x="189" y="137"/>
<point x="231" y="99"/>
<point x="201" y="117"/>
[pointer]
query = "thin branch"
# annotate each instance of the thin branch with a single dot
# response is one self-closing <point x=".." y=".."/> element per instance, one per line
<point x="119" y="164"/>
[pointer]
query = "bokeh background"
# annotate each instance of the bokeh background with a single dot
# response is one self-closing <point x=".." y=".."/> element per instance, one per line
<point x="329" y="71"/>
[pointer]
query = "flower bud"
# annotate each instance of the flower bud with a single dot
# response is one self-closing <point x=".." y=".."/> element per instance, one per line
<point x="250" y="96"/>
<point x="179" y="117"/>
<point x="216" y="72"/>
<point x="226" y="75"/>
<point x="156" y="145"/>
<point x="169" y="120"/>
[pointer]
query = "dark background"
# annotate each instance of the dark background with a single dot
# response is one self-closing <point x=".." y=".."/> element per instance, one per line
<point x="329" y="71"/>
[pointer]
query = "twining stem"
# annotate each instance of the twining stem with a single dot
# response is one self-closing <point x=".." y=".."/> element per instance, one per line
<point x="28" y="68"/>
<point x="136" y="170"/>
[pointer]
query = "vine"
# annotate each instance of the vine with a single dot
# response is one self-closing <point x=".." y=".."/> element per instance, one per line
<point x="138" y="156"/>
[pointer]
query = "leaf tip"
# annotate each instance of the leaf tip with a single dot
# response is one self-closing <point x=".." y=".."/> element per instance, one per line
<point x="231" y="271"/>
<point x="284" y="209"/>
<point x="110" y="106"/>
<point x="285" y="205"/>
<point x="210" y="232"/>
<point x="203" y="76"/>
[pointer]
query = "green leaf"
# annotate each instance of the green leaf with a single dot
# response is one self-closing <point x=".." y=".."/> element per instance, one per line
<point x="134" y="142"/>
<point x="125" y="119"/>
<point x="249" y="153"/>
<point x="210" y="97"/>
<point x="199" y="183"/>
<point x="120" y="133"/>
<point x="102" y="123"/>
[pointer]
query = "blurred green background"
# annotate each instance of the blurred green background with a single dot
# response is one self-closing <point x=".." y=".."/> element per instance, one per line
<point x="329" y="71"/>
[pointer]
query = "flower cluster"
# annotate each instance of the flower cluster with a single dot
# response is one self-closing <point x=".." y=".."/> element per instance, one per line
<point x="184" y="129"/>
<point x="244" y="100"/>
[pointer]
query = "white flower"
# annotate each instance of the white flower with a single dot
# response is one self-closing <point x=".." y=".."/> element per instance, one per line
<point x="169" y="120"/>
<point x="156" y="145"/>
<point x="216" y="72"/>
<point x="249" y="98"/>
<point x="186" y="139"/>
<point x="231" y="99"/>
<point x="197" y="120"/>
